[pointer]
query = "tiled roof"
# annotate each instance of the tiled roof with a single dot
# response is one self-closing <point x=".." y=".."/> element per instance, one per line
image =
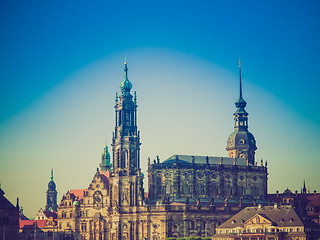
<point x="187" y="159"/>
<point x="314" y="199"/>
<point x="29" y="223"/>
<point x="282" y="216"/>
<point x="78" y="193"/>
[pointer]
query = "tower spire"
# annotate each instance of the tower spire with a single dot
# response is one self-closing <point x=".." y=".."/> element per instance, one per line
<point x="240" y="79"/>
<point x="304" y="187"/>
<point x="51" y="174"/>
<point x="241" y="142"/>
<point x="126" y="85"/>
<point x="240" y="103"/>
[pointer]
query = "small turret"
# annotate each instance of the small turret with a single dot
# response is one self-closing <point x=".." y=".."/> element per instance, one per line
<point x="105" y="161"/>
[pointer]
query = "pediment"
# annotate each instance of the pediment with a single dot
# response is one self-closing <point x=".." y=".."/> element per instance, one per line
<point x="258" y="219"/>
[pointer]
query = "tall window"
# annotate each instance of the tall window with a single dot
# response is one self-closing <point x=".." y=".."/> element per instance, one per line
<point x="168" y="188"/>
<point x="83" y="226"/>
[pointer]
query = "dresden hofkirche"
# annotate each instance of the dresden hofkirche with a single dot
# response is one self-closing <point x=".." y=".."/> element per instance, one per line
<point x="187" y="195"/>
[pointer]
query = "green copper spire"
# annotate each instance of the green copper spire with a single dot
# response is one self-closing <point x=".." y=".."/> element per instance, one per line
<point x="126" y="85"/>
<point x="105" y="161"/>
<point x="240" y="103"/>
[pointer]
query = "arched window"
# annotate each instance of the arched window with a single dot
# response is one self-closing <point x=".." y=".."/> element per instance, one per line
<point x="241" y="190"/>
<point x="118" y="158"/>
<point x="200" y="189"/>
<point x="168" y="188"/>
<point x="186" y="189"/>
<point x="255" y="191"/>
<point x="131" y="194"/>
<point x="126" y="159"/>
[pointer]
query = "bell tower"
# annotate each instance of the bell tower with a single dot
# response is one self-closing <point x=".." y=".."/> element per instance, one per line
<point x="52" y="195"/>
<point x="241" y="143"/>
<point x="126" y="177"/>
<point x="126" y="139"/>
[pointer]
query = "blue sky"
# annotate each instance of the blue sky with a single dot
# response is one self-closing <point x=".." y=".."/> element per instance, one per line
<point x="62" y="62"/>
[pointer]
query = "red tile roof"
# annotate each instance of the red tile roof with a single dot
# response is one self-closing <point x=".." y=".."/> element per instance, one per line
<point x="29" y="223"/>
<point x="314" y="199"/>
<point x="78" y="193"/>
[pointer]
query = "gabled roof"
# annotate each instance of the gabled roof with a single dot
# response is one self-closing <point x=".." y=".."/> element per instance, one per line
<point x="261" y="216"/>
<point x="283" y="216"/>
<point x="4" y="202"/>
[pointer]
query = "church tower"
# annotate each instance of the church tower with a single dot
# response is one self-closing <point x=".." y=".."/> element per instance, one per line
<point x="52" y="195"/>
<point x="105" y="161"/>
<point x="241" y="143"/>
<point x="126" y="178"/>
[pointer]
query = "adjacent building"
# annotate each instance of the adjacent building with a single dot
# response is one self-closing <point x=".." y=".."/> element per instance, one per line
<point x="304" y="202"/>
<point x="267" y="223"/>
<point x="44" y="225"/>
<point x="9" y="218"/>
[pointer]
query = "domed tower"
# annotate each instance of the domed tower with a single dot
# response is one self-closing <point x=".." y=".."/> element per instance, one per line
<point x="241" y="143"/>
<point x="126" y="177"/>
<point x="105" y="161"/>
<point x="52" y="195"/>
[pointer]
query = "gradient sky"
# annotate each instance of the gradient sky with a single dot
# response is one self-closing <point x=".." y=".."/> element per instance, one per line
<point x="62" y="62"/>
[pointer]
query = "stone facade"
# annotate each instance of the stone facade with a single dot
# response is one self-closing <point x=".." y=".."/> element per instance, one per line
<point x="187" y="195"/>
<point x="209" y="178"/>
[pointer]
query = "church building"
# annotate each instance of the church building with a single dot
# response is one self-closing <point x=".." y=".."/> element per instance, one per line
<point x="187" y="195"/>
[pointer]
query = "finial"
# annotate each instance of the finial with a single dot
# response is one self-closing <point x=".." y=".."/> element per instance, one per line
<point x="240" y="79"/>
<point x="116" y="97"/>
<point x="125" y="61"/>
<point x="51" y="174"/>
<point x="126" y="85"/>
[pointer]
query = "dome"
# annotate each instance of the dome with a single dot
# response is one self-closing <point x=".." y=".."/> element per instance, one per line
<point x="241" y="140"/>
<point x="126" y="85"/>
<point x="76" y="203"/>
<point x="51" y="185"/>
